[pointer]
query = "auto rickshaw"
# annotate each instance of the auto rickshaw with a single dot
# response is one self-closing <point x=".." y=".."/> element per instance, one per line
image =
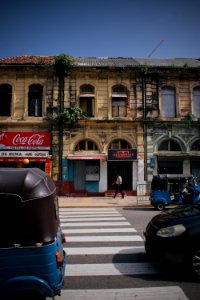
<point x="32" y="260"/>
<point x="173" y="189"/>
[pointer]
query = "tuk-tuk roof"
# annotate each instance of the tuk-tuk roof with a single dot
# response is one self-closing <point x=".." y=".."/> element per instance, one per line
<point x="27" y="183"/>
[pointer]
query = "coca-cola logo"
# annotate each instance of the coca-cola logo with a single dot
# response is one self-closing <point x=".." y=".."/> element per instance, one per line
<point x="2" y="136"/>
<point x="33" y="140"/>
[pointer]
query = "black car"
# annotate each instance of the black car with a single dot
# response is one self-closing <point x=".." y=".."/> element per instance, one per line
<point x="174" y="234"/>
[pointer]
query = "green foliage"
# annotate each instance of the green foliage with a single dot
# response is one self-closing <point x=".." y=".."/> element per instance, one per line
<point x="63" y="64"/>
<point x="68" y="116"/>
<point x="145" y="69"/>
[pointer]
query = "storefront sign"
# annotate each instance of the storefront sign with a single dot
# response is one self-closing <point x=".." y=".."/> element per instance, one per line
<point x="122" y="154"/>
<point x="25" y="140"/>
<point x="24" y="154"/>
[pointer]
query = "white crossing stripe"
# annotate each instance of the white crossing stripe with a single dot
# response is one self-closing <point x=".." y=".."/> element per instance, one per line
<point x="93" y="219"/>
<point x="104" y="238"/>
<point x="104" y="250"/>
<point x="85" y="214"/>
<point x="110" y="269"/>
<point x="99" y="230"/>
<point x="108" y="209"/>
<point x="147" y="293"/>
<point x="94" y="224"/>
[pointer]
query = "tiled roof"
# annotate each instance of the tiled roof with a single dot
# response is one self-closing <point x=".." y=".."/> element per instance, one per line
<point x="104" y="61"/>
<point x="27" y="60"/>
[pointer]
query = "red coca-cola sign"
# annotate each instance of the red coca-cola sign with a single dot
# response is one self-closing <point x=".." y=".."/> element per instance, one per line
<point x="25" y="140"/>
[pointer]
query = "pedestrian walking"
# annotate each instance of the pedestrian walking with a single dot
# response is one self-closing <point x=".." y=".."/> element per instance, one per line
<point x="118" y="186"/>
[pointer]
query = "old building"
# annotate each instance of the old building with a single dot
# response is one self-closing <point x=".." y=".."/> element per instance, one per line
<point x="141" y="117"/>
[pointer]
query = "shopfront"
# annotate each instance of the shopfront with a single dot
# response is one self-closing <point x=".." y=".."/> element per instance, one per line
<point x="86" y="172"/>
<point x="121" y="161"/>
<point x="25" y="150"/>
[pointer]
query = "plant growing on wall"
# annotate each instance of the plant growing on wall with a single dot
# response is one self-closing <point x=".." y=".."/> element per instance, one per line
<point x="68" y="116"/>
<point x="63" y="64"/>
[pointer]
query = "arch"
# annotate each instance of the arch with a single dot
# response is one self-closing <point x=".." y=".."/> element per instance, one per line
<point x="119" y="89"/>
<point x="195" y="146"/>
<point x="35" y="95"/>
<point x="169" y="145"/>
<point x="5" y="100"/>
<point x="87" y="89"/>
<point x="86" y="145"/>
<point x="119" y="144"/>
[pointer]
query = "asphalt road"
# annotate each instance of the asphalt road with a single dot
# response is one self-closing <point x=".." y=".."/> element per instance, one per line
<point x="107" y="260"/>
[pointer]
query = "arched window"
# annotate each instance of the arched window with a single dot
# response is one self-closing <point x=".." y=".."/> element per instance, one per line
<point x="196" y="146"/>
<point x="169" y="145"/>
<point x="119" y="101"/>
<point x="35" y="100"/>
<point x="119" y="144"/>
<point x="168" y="102"/>
<point x="87" y="100"/>
<point x="196" y="102"/>
<point x="5" y="100"/>
<point x="86" y="145"/>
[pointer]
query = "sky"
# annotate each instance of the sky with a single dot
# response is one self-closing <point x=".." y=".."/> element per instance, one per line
<point x="100" y="28"/>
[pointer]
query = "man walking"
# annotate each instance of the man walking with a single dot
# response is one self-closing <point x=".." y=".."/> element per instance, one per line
<point x="118" y="186"/>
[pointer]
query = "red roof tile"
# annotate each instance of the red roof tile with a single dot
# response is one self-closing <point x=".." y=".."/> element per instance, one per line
<point x="27" y="60"/>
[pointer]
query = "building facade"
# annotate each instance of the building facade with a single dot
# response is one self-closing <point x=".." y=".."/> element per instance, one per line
<point x="141" y="117"/>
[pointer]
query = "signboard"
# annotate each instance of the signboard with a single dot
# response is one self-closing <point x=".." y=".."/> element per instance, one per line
<point x="92" y="172"/>
<point x="25" y="140"/>
<point x="27" y="154"/>
<point x="122" y="154"/>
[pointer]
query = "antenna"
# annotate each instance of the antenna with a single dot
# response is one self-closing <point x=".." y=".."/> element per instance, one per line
<point x="154" y="49"/>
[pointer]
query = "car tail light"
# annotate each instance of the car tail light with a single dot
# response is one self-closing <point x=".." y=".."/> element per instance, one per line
<point x="59" y="259"/>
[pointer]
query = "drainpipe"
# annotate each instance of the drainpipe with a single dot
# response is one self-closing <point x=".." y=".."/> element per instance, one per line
<point x="61" y="109"/>
<point x="144" y="125"/>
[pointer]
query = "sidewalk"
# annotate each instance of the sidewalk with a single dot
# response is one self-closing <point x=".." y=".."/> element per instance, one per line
<point x="101" y="202"/>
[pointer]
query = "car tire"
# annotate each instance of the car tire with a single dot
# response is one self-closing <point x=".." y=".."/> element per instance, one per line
<point x="192" y="262"/>
<point x="160" y="206"/>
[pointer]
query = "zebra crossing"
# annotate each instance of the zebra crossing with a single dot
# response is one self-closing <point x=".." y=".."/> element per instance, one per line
<point x="96" y="233"/>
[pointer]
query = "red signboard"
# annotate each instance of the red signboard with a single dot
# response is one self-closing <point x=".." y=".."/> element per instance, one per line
<point x="25" y="140"/>
<point x="122" y="154"/>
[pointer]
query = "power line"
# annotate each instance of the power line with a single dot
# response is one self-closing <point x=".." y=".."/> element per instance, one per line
<point x="155" y="48"/>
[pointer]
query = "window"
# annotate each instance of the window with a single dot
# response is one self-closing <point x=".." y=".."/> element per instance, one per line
<point x="35" y="100"/>
<point x="196" y="146"/>
<point x="119" y="101"/>
<point x="119" y="144"/>
<point x="168" y="102"/>
<point x="86" y="145"/>
<point x="5" y="100"/>
<point x="196" y="102"/>
<point x="169" y="145"/>
<point x="87" y="100"/>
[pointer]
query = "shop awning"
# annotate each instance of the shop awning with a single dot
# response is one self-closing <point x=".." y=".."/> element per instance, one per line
<point x="87" y="157"/>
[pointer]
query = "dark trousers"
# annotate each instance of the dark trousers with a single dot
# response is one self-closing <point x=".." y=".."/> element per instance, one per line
<point x="118" y="189"/>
